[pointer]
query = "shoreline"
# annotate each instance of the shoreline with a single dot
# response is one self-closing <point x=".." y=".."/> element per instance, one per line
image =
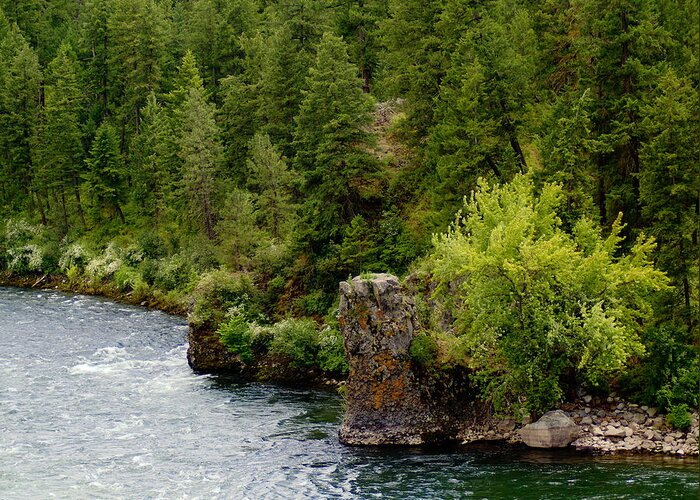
<point x="106" y="290"/>
<point x="610" y="427"/>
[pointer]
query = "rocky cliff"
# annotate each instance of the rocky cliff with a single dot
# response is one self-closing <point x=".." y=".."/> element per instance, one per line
<point x="389" y="399"/>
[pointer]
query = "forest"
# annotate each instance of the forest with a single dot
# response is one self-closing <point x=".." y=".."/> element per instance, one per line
<point x="533" y="164"/>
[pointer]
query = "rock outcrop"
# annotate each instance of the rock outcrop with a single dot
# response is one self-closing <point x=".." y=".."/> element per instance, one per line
<point x="206" y="353"/>
<point x="554" y="430"/>
<point x="387" y="402"/>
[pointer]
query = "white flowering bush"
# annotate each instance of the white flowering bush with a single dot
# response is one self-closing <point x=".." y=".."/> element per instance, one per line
<point x="22" y="254"/>
<point x="105" y="265"/>
<point x="74" y="256"/>
<point x="27" y="258"/>
<point x="19" y="232"/>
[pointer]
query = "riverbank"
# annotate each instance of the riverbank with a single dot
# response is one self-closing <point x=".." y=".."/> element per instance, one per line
<point x="606" y="426"/>
<point x="108" y="290"/>
<point x="206" y="354"/>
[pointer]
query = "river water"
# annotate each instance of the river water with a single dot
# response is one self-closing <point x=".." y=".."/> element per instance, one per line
<point x="97" y="401"/>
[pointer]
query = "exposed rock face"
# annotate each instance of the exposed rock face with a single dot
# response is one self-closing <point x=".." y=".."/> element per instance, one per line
<point x="554" y="430"/>
<point x="386" y="401"/>
<point x="206" y="353"/>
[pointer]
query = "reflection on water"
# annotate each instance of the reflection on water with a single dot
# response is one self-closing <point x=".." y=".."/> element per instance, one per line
<point x="96" y="400"/>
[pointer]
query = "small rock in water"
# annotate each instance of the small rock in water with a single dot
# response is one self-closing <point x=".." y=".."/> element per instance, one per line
<point x="587" y="398"/>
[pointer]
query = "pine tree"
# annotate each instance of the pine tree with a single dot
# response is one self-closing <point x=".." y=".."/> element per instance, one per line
<point x="60" y="139"/>
<point x="358" y="24"/>
<point x="95" y="50"/>
<point x="138" y="36"/>
<point x="155" y="150"/>
<point x="415" y="63"/>
<point x="19" y="111"/>
<point x="201" y="154"/>
<point x="105" y="174"/>
<point x="272" y="181"/>
<point x="331" y="140"/>
<point x="669" y="184"/>
<point x="214" y="31"/>
<point x="484" y="99"/>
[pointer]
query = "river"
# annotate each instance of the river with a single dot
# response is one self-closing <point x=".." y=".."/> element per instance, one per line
<point x="97" y="401"/>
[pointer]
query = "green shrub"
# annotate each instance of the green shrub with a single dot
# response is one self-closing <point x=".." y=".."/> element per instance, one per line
<point x="218" y="291"/>
<point x="104" y="266"/>
<point x="173" y="273"/>
<point x="679" y="417"/>
<point x="296" y="339"/>
<point x="152" y="245"/>
<point x="262" y="337"/>
<point x="424" y="350"/>
<point x="25" y="259"/>
<point x="315" y="303"/>
<point x="538" y="307"/>
<point x="126" y="278"/>
<point x="331" y="352"/>
<point x="75" y="256"/>
<point x="236" y="335"/>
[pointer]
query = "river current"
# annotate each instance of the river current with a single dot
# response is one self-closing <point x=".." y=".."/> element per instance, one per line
<point x="97" y="401"/>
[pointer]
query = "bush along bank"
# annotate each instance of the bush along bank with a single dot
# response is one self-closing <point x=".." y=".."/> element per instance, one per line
<point x="235" y="327"/>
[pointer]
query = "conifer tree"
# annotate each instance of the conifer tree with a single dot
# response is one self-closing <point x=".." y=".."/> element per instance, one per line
<point x="138" y="35"/>
<point x="358" y="24"/>
<point x="19" y="111"/>
<point x="484" y="99"/>
<point x="272" y="181"/>
<point x="670" y="184"/>
<point x="60" y="139"/>
<point x="331" y="140"/>
<point x="201" y="154"/>
<point x="105" y="174"/>
<point x="155" y="149"/>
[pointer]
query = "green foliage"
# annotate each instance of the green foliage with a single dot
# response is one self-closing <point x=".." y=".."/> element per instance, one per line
<point x="126" y="278"/>
<point x="679" y="417"/>
<point x="539" y="308"/>
<point x="105" y="175"/>
<point x="217" y="292"/>
<point x="298" y="340"/>
<point x="331" y="352"/>
<point x="236" y="335"/>
<point x="424" y="350"/>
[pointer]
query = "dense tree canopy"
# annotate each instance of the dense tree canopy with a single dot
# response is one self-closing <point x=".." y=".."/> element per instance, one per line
<point x="295" y="143"/>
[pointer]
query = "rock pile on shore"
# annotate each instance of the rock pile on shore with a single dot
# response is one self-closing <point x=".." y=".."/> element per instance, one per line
<point x="616" y="426"/>
<point x="605" y="426"/>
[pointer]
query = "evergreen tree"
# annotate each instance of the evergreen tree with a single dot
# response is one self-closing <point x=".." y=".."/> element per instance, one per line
<point x="484" y="100"/>
<point x="358" y="24"/>
<point x="416" y="65"/>
<point x="331" y="142"/>
<point x="155" y="149"/>
<point x="272" y="181"/>
<point x="60" y="139"/>
<point x="214" y="31"/>
<point x="94" y="50"/>
<point x="201" y="154"/>
<point x="137" y="35"/>
<point x="105" y="174"/>
<point x="19" y="111"/>
<point x="670" y="184"/>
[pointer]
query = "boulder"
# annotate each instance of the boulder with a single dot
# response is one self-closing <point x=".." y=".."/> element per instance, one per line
<point x="554" y="430"/>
